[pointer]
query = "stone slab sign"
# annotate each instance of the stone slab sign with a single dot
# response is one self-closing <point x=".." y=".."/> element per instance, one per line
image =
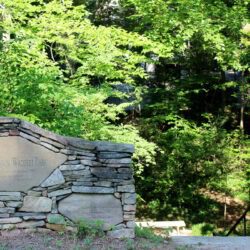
<point x="92" y="206"/>
<point x="24" y="164"/>
<point x="50" y="182"/>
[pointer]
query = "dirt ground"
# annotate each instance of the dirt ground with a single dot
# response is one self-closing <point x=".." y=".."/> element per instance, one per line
<point x="20" y="240"/>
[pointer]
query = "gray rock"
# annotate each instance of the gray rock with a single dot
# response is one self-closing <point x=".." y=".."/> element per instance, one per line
<point x="113" y="155"/>
<point x="56" y="219"/>
<point x="129" y="208"/>
<point x="27" y="214"/>
<point x="49" y="146"/>
<point x="34" y="193"/>
<point x="36" y="204"/>
<point x="54" y="206"/>
<point x="91" y="163"/>
<point x="53" y="143"/>
<point x="116" y="161"/>
<point x="59" y="192"/>
<point x="30" y="224"/>
<point x="129" y="216"/>
<point x="99" y="190"/>
<point x="72" y="167"/>
<point x="30" y="138"/>
<point x="126" y="189"/>
<point x="103" y="184"/>
<point x="4" y="215"/>
<point x="34" y="217"/>
<point x="128" y="198"/>
<point x="8" y="210"/>
<point x="12" y="220"/>
<point x="1" y="204"/>
<point x="92" y="207"/>
<point x="56" y="178"/>
<point x="14" y="203"/>
<point x="10" y="196"/>
<point x="7" y="226"/>
<point x="130" y="224"/>
<point x="115" y="147"/>
<point x="72" y="162"/>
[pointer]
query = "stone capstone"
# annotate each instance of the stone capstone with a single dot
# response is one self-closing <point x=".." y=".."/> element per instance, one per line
<point x="104" y="207"/>
<point x="24" y="164"/>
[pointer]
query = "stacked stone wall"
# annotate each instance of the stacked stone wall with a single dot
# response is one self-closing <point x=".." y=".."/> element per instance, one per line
<point x="51" y="182"/>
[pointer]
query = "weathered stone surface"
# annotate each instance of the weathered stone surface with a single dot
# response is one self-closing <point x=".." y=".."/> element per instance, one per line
<point x="1" y="204"/>
<point x="56" y="178"/>
<point x="103" y="184"/>
<point x="4" y="215"/>
<point x="10" y="196"/>
<point x="126" y="189"/>
<point x="92" y="207"/>
<point x="30" y="224"/>
<point x="30" y="138"/>
<point x="34" y="217"/>
<point x="24" y="214"/>
<point x="122" y="233"/>
<point x="14" y="204"/>
<point x="129" y="216"/>
<point x="24" y="164"/>
<point x="115" y="147"/>
<point x="129" y="208"/>
<point x="7" y="226"/>
<point x="99" y="190"/>
<point x="129" y="198"/>
<point x="55" y="227"/>
<point x="131" y="224"/>
<point x="91" y="163"/>
<point x="56" y="219"/>
<point x="54" y="143"/>
<point x="72" y="167"/>
<point x="12" y="220"/>
<point x="34" y="193"/>
<point x="113" y="155"/>
<point x="36" y="204"/>
<point x="59" y="192"/>
<point x="9" y="210"/>
<point x="116" y="161"/>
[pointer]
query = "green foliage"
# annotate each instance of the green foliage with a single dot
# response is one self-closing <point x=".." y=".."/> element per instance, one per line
<point x="194" y="157"/>
<point x="191" y="28"/>
<point x="203" y="229"/>
<point x="90" y="228"/>
<point x="148" y="233"/>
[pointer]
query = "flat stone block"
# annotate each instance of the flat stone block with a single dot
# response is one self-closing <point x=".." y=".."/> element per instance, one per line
<point x="12" y="220"/>
<point x="36" y="204"/>
<point x="99" y="190"/>
<point x="92" y="207"/>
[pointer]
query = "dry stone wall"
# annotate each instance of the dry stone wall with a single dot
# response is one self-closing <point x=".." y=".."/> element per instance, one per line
<point x="51" y="182"/>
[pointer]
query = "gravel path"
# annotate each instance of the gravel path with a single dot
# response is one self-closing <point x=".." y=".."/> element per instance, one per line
<point x="210" y="243"/>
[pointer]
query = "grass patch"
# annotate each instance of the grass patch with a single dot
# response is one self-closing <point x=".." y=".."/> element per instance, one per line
<point x="148" y="233"/>
<point x="90" y="228"/>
